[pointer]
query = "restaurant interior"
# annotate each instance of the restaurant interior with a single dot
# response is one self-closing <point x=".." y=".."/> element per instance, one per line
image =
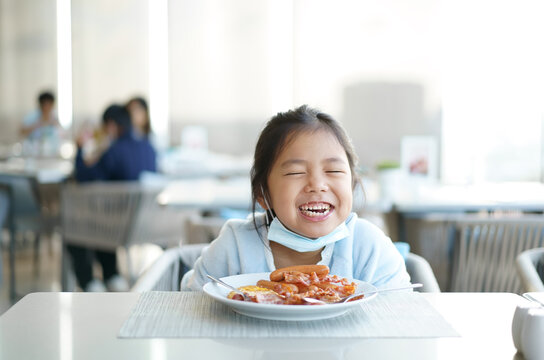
<point x="443" y="102"/>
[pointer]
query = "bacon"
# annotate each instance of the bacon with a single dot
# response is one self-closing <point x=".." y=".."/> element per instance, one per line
<point x="296" y="285"/>
<point x="296" y="277"/>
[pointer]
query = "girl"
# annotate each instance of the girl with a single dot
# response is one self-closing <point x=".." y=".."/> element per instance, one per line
<point x="303" y="176"/>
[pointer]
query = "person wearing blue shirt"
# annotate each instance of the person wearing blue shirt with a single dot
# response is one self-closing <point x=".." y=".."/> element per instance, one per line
<point x="125" y="160"/>
<point x="43" y="120"/>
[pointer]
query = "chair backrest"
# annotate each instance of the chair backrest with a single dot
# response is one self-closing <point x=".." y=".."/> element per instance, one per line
<point x="530" y="267"/>
<point x="486" y="250"/>
<point x="421" y="272"/>
<point x="25" y="194"/>
<point x="166" y="273"/>
<point x="99" y="215"/>
<point x="157" y="224"/>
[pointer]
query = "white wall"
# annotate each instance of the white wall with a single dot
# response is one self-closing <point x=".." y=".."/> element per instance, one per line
<point x="243" y="61"/>
<point x="110" y="55"/>
<point x="27" y="60"/>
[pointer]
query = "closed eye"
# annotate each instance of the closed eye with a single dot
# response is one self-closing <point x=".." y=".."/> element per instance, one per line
<point x="294" y="173"/>
<point x="335" y="172"/>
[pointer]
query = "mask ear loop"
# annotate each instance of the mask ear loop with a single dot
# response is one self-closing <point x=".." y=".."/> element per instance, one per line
<point x="269" y="217"/>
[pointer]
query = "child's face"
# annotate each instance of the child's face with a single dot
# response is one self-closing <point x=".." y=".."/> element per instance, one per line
<point x="310" y="184"/>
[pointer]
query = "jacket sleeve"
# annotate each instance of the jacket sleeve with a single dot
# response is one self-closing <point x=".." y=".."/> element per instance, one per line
<point x="102" y="170"/>
<point x="378" y="261"/>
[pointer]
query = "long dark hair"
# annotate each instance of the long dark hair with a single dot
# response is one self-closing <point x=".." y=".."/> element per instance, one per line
<point x="140" y="100"/>
<point x="278" y="132"/>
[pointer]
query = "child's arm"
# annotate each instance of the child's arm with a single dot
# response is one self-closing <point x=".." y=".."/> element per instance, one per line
<point x="377" y="260"/>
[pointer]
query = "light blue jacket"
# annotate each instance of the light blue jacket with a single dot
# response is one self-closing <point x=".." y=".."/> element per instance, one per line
<point x="367" y="255"/>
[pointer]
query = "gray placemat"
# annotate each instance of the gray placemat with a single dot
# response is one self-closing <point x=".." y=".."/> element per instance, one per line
<point x="159" y="314"/>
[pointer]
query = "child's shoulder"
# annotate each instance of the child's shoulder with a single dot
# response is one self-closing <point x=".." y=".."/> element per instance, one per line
<point x="362" y="225"/>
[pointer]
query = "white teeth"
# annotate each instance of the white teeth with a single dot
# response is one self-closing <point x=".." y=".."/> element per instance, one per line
<point x="315" y="209"/>
<point x="315" y="213"/>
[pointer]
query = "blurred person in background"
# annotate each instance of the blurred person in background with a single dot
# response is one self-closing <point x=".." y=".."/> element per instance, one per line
<point x="42" y="127"/>
<point x="95" y="140"/>
<point x="141" y="122"/>
<point x="139" y="114"/>
<point x="126" y="159"/>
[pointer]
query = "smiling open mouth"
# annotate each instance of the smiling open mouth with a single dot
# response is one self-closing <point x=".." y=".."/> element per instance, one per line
<point x="316" y="209"/>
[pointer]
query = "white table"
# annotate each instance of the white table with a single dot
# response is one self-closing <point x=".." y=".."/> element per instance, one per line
<point x="207" y="193"/>
<point x="85" y="326"/>
<point x="44" y="170"/>
<point x="429" y="198"/>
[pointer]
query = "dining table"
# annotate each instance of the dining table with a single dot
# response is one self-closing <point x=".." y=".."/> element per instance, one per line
<point x="66" y="326"/>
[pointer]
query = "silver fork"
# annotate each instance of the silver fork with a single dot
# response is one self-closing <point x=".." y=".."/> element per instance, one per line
<point x="221" y="282"/>
<point x="347" y="298"/>
<point x="246" y="296"/>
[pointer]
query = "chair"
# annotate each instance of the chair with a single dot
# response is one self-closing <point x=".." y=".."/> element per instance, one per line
<point x="166" y="273"/>
<point x="486" y="250"/>
<point x="155" y="223"/>
<point x="418" y="268"/>
<point x="23" y="213"/>
<point x="530" y="269"/>
<point x="421" y="272"/>
<point x="4" y="212"/>
<point x="109" y="215"/>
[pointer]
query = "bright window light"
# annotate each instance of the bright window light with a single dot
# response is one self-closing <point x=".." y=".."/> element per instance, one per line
<point x="158" y="70"/>
<point x="493" y="91"/>
<point x="64" y="62"/>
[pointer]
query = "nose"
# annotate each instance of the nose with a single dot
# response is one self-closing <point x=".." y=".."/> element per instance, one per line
<point x="316" y="183"/>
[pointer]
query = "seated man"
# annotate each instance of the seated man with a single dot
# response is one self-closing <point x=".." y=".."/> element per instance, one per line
<point x="42" y="124"/>
<point x="124" y="160"/>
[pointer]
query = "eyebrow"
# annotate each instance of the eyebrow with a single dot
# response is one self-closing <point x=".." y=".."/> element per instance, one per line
<point x="290" y="162"/>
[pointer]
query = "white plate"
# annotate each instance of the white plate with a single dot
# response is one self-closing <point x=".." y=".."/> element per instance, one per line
<point x="281" y="312"/>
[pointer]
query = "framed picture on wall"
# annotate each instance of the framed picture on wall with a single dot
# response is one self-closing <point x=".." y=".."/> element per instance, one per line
<point x="419" y="157"/>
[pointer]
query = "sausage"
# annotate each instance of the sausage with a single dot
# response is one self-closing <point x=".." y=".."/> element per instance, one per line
<point x="320" y="270"/>
<point x="280" y="288"/>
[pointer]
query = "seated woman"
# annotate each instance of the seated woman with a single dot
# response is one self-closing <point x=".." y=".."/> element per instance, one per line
<point x="126" y="158"/>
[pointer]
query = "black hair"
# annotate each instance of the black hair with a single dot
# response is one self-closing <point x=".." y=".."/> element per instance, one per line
<point x="279" y="131"/>
<point x="120" y="116"/>
<point x="143" y="103"/>
<point x="46" y="96"/>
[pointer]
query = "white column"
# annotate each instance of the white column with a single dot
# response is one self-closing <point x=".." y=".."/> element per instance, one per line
<point x="158" y="70"/>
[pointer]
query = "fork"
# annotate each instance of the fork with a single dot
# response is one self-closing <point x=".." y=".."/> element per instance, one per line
<point x="230" y="287"/>
<point x="221" y="282"/>
<point x="347" y="298"/>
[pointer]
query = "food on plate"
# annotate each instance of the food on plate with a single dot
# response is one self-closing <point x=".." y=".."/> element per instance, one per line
<point x="279" y="274"/>
<point x="257" y="294"/>
<point x="290" y="285"/>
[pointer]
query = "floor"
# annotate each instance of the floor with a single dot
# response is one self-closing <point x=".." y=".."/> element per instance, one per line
<point x="47" y="276"/>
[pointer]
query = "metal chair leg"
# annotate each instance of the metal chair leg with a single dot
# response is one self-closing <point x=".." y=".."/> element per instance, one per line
<point x="36" y="263"/>
<point x="64" y="266"/>
<point x="12" y="292"/>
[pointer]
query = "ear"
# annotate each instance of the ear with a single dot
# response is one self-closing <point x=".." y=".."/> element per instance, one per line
<point x="261" y="202"/>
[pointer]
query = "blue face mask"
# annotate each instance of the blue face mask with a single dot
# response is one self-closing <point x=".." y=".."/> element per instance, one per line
<point x="280" y="234"/>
